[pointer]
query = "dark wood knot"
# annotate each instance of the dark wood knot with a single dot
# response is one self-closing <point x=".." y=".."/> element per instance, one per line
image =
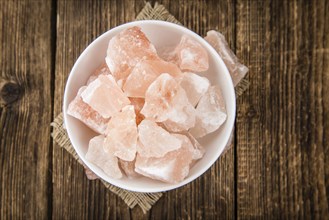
<point x="9" y="92"/>
<point x="252" y="113"/>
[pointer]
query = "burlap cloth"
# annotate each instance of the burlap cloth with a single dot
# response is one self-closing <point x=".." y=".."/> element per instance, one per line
<point x="143" y="200"/>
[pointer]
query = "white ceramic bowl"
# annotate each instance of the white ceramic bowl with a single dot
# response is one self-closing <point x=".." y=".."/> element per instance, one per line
<point x="160" y="34"/>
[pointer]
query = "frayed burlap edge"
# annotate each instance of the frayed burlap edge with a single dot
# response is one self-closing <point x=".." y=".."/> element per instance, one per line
<point x="158" y="12"/>
<point x="241" y="87"/>
<point x="59" y="134"/>
<point x="144" y="200"/>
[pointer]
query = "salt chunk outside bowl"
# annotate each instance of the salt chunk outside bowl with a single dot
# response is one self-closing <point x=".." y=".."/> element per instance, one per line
<point x="161" y="34"/>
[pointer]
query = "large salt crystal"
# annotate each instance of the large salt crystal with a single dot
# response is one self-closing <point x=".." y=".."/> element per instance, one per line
<point x="90" y="174"/>
<point x="189" y="55"/>
<point x="167" y="53"/>
<point x="121" y="134"/>
<point x="211" y="113"/>
<point x="154" y="140"/>
<point x="236" y="69"/>
<point x="101" y="70"/>
<point x="166" y="101"/>
<point x="173" y="167"/>
<point x="144" y="73"/>
<point x="82" y="111"/>
<point x="197" y="149"/>
<point x="194" y="85"/>
<point x="138" y="104"/>
<point x="105" y="96"/>
<point x="126" y="49"/>
<point x="104" y="160"/>
<point x="192" y="56"/>
<point x="128" y="167"/>
<point x="182" y="119"/>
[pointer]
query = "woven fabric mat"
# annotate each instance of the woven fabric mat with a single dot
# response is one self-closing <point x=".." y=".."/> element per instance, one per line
<point x="59" y="134"/>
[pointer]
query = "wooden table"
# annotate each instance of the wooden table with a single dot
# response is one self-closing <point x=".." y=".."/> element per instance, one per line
<point x="279" y="165"/>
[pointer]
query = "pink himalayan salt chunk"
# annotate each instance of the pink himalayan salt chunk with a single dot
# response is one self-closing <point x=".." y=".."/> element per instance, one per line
<point x="188" y="55"/>
<point x="104" y="160"/>
<point x="126" y="49"/>
<point x="179" y="125"/>
<point x="90" y="174"/>
<point x="167" y="53"/>
<point x="194" y="85"/>
<point x="144" y="73"/>
<point x="173" y="167"/>
<point x="154" y="140"/>
<point x="105" y="96"/>
<point x="197" y="149"/>
<point x="166" y="101"/>
<point x="138" y="104"/>
<point x="121" y="134"/>
<point x="82" y="111"/>
<point x="236" y="69"/>
<point x="211" y="113"/>
<point x="101" y="70"/>
<point x="128" y="168"/>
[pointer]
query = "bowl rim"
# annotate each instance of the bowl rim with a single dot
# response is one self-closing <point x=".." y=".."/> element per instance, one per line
<point x="209" y="48"/>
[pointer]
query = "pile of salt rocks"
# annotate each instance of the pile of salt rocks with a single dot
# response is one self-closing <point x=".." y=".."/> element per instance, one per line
<point x="150" y="107"/>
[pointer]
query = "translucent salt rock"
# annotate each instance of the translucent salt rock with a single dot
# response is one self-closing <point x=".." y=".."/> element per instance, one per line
<point x="104" y="160"/>
<point x="128" y="167"/>
<point x="197" y="149"/>
<point x="90" y="174"/>
<point x="182" y="120"/>
<point x="167" y="53"/>
<point x="166" y="101"/>
<point x="101" y="70"/>
<point x="236" y="69"/>
<point x="173" y="167"/>
<point x="190" y="55"/>
<point x="126" y="49"/>
<point x="82" y="111"/>
<point x="211" y="113"/>
<point x="121" y="134"/>
<point x="194" y="85"/>
<point x="138" y="104"/>
<point x="105" y="96"/>
<point x="144" y="73"/>
<point x="154" y="140"/>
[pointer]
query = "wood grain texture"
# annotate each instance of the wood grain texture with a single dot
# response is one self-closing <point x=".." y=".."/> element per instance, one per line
<point x="282" y="133"/>
<point x="25" y="109"/>
<point x="78" y="24"/>
<point x="278" y="167"/>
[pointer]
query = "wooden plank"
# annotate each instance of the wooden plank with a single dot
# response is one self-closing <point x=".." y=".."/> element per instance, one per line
<point x="78" y="24"/>
<point x="212" y="195"/>
<point x="25" y="109"/>
<point x="282" y="122"/>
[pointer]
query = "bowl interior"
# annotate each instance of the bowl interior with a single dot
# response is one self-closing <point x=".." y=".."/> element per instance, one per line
<point x="161" y="34"/>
